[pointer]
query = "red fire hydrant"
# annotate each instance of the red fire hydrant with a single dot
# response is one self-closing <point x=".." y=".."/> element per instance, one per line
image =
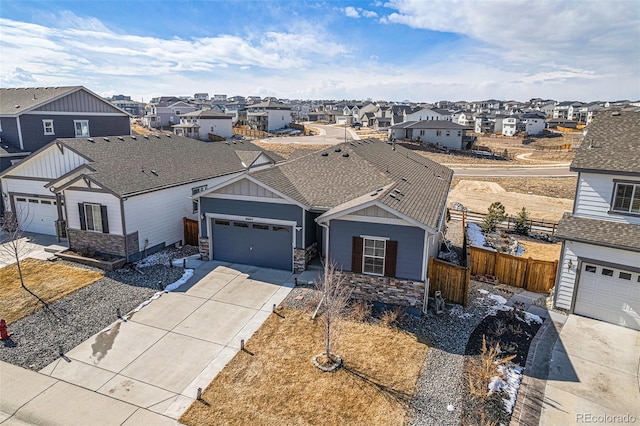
<point x="4" y="335"/>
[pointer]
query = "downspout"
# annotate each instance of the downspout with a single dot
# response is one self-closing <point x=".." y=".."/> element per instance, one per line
<point x="124" y="230"/>
<point x="326" y="254"/>
<point x="425" y="277"/>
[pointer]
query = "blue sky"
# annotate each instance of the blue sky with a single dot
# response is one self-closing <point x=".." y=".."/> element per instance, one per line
<point x="420" y="50"/>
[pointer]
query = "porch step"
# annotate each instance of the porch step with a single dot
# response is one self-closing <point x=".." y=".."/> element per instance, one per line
<point x="54" y="248"/>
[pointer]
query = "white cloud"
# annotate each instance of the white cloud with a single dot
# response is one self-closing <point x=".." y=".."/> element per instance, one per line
<point x="351" y="12"/>
<point x="369" y="14"/>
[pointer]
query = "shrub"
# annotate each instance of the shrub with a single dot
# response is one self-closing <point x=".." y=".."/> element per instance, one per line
<point x="522" y="225"/>
<point x="361" y="311"/>
<point x="495" y="215"/>
<point x="391" y="318"/>
<point x="485" y="367"/>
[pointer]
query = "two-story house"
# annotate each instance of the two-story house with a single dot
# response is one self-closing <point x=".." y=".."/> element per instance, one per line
<point x="166" y="112"/>
<point x="200" y="124"/>
<point x="599" y="272"/>
<point x="268" y="116"/>
<point x="428" y="114"/>
<point x="31" y="117"/>
<point x="440" y="132"/>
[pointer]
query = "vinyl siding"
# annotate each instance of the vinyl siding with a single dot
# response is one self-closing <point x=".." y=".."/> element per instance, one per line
<point x="33" y="136"/>
<point x="74" y="196"/>
<point x="594" y="195"/>
<point x="9" y="132"/>
<point x="310" y="230"/>
<point x="79" y="101"/>
<point x="158" y="216"/>
<point x="410" y="244"/>
<point x="21" y="186"/>
<point x="575" y="250"/>
<point x="254" y="210"/>
<point x="221" y="127"/>
<point x="50" y="163"/>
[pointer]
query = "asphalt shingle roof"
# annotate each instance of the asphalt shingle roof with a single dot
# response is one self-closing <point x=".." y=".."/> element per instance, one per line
<point x="415" y="185"/>
<point x="599" y="232"/>
<point x="429" y="124"/>
<point x="614" y="138"/>
<point x="207" y="113"/>
<point x="17" y="100"/>
<point x="129" y="166"/>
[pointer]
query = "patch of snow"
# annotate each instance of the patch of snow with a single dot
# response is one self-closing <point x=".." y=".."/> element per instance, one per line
<point x="513" y="376"/>
<point x="520" y="251"/>
<point x="498" y="299"/>
<point x="483" y="291"/>
<point x="159" y="258"/>
<point x="450" y="408"/>
<point x="528" y="317"/>
<point x="476" y="237"/>
<point x="188" y="273"/>
<point x="496" y="384"/>
<point x="458" y="311"/>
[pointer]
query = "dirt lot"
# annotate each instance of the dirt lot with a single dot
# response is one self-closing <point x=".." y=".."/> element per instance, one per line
<point x="477" y="196"/>
<point x="560" y="187"/>
<point x="287" y="149"/>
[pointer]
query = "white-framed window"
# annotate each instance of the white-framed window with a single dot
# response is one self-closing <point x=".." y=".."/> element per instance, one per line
<point x="438" y="132"/>
<point x="194" y="191"/>
<point x="93" y="217"/>
<point x="48" y="127"/>
<point x="626" y="198"/>
<point x="373" y="252"/>
<point x="448" y="133"/>
<point x="82" y="128"/>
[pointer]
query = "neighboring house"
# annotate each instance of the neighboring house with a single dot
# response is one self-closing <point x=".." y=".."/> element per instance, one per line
<point x="376" y="211"/>
<point x="533" y="123"/>
<point x="199" y="124"/>
<point x="424" y="114"/>
<point x="166" y="112"/>
<point x="32" y="117"/>
<point x="323" y="115"/>
<point x="599" y="272"/>
<point x="510" y="125"/>
<point x="133" y="108"/>
<point x="268" y="116"/>
<point x="446" y="133"/>
<point x="126" y="195"/>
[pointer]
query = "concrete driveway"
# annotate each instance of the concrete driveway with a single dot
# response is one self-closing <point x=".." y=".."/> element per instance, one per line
<point x="593" y="375"/>
<point x="147" y="369"/>
<point x="37" y="246"/>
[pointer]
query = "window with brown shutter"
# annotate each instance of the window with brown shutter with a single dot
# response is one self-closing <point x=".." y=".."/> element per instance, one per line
<point x="390" y="256"/>
<point x="356" y="255"/>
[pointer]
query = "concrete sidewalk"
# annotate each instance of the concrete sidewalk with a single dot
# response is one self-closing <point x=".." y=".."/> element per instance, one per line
<point x="148" y="368"/>
<point x="37" y="246"/>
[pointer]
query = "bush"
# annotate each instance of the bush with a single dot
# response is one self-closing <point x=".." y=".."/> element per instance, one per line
<point x="522" y="225"/>
<point x="361" y="311"/>
<point x="495" y="215"/>
<point x="391" y="318"/>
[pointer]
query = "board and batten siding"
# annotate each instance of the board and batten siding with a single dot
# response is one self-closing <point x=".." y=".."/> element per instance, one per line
<point x="594" y="195"/>
<point x="79" y="101"/>
<point x="33" y="136"/>
<point x="253" y="209"/>
<point x="49" y="164"/>
<point x="73" y="196"/>
<point x="158" y="216"/>
<point x="573" y="251"/>
<point x="409" y="260"/>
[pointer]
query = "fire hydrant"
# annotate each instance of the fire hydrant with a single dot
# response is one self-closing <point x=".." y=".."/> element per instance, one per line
<point x="4" y="335"/>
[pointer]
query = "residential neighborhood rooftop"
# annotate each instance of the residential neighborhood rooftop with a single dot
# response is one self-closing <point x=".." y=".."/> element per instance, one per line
<point x="19" y="99"/>
<point x="606" y="233"/>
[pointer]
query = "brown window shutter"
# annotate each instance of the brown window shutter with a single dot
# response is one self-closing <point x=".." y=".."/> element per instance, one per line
<point x="83" y="219"/>
<point x="105" y="221"/>
<point x="356" y="255"/>
<point x="390" y="259"/>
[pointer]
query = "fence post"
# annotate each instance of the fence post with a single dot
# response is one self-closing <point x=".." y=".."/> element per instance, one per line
<point x="526" y="273"/>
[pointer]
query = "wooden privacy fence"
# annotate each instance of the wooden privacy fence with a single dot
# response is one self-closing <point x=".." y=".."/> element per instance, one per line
<point x="250" y="133"/>
<point x="536" y="225"/>
<point x="452" y="280"/>
<point x="531" y="274"/>
<point x="190" y="232"/>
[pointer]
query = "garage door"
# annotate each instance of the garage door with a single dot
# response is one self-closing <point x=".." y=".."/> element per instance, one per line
<point x="259" y="244"/>
<point x="609" y="294"/>
<point x="37" y="215"/>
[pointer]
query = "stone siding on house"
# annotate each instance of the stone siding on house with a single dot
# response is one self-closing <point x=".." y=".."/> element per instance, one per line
<point x="391" y="291"/>
<point x="203" y="245"/>
<point x="301" y="257"/>
<point x="102" y="243"/>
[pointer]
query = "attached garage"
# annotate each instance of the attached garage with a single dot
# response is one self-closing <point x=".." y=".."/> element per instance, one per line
<point x="36" y="215"/>
<point x="609" y="294"/>
<point x="257" y="243"/>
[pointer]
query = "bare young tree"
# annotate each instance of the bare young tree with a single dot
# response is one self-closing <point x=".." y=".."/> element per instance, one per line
<point x="335" y="294"/>
<point x="15" y="244"/>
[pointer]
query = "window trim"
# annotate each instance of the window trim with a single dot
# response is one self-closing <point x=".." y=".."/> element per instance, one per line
<point x="383" y="257"/>
<point x="93" y="217"/>
<point x="75" y="128"/>
<point x="48" y="123"/>
<point x="195" y="204"/>
<point x="634" y="194"/>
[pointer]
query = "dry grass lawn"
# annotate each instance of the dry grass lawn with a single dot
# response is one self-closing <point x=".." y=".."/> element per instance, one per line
<point x="274" y="382"/>
<point x="556" y="187"/>
<point x="541" y="251"/>
<point x="50" y="281"/>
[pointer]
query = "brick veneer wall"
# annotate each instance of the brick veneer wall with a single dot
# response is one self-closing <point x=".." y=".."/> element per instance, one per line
<point x="102" y="243"/>
<point x="392" y="291"/>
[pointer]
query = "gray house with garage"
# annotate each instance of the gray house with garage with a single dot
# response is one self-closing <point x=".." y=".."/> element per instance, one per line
<point x="375" y="210"/>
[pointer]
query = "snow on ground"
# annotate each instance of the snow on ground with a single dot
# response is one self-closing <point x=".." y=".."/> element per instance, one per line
<point x="476" y="237"/>
<point x="512" y="378"/>
<point x="483" y="291"/>
<point x="498" y="299"/>
<point x="528" y="317"/>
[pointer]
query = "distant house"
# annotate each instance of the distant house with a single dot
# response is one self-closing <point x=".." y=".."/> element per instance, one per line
<point x="445" y="133"/>
<point x="166" y="112"/>
<point x="598" y="275"/>
<point x="420" y="114"/>
<point x="510" y="125"/>
<point x="32" y="117"/>
<point x="533" y="122"/>
<point x="199" y="124"/>
<point x="376" y="211"/>
<point x="134" y="108"/>
<point x="268" y="116"/>
<point x="124" y="196"/>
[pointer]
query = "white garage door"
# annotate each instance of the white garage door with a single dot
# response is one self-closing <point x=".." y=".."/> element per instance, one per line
<point x="37" y="215"/>
<point x="609" y="294"/>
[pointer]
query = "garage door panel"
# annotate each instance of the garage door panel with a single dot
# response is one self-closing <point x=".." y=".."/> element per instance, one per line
<point x="36" y="215"/>
<point x="259" y="244"/>
<point x="609" y="294"/>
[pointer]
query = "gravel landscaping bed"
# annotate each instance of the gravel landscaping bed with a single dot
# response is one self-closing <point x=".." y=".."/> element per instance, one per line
<point x="73" y="319"/>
